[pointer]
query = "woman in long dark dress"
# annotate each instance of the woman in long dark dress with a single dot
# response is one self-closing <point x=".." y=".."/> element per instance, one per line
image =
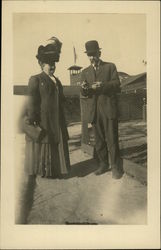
<point x="46" y="152"/>
<point x="49" y="156"/>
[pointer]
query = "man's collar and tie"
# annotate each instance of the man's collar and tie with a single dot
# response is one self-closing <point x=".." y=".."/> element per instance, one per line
<point x="96" y="66"/>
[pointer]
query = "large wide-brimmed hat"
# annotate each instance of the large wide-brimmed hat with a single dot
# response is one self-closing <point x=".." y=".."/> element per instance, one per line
<point x="55" y="42"/>
<point x="49" y="53"/>
<point x="91" y="47"/>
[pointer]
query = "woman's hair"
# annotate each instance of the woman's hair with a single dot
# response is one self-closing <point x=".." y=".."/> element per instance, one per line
<point x="40" y="63"/>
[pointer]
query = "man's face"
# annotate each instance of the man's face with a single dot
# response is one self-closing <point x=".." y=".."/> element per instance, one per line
<point x="94" y="57"/>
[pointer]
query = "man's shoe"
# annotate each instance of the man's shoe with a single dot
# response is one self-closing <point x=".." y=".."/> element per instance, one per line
<point x="117" y="175"/>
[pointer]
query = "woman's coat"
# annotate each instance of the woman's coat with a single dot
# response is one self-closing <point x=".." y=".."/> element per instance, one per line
<point x="45" y="109"/>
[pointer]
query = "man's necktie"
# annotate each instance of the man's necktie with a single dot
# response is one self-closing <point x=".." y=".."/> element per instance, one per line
<point x="96" y="67"/>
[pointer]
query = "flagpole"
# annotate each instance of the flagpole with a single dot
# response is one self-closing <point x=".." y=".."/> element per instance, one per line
<point x="75" y="55"/>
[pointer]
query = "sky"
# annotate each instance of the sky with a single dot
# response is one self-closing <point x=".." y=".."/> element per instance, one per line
<point x="122" y="38"/>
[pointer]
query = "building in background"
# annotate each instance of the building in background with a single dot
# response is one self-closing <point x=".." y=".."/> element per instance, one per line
<point x="132" y="100"/>
<point x="75" y="71"/>
<point x="75" y="75"/>
<point x="134" y="83"/>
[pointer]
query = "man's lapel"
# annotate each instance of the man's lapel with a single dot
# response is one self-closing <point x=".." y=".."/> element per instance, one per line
<point x="99" y="71"/>
<point x="91" y="74"/>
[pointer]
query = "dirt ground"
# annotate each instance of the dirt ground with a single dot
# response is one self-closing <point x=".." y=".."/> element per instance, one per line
<point x="84" y="198"/>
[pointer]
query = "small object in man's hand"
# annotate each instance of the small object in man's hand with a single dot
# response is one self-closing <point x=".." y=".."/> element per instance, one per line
<point x="84" y="85"/>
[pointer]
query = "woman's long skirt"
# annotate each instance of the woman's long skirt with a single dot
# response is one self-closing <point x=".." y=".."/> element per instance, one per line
<point x="47" y="159"/>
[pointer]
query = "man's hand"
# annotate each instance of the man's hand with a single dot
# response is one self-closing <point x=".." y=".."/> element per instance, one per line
<point x="97" y="85"/>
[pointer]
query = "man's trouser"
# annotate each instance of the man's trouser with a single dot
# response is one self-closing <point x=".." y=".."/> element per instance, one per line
<point x="106" y="142"/>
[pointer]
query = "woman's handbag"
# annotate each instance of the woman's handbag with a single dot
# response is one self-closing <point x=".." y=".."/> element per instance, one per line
<point x="35" y="132"/>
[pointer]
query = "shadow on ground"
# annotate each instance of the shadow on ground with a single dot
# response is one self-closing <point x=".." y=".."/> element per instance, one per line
<point x="83" y="168"/>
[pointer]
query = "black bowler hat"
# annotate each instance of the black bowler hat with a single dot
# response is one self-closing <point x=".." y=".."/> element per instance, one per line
<point x="91" y="47"/>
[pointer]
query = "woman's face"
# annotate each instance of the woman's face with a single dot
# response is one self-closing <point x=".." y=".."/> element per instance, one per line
<point x="49" y="69"/>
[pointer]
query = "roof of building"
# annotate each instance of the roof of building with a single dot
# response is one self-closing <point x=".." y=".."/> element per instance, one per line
<point x="74" y="67"/>
<point x="123" y="74"/>
<point x="133" y="79"/>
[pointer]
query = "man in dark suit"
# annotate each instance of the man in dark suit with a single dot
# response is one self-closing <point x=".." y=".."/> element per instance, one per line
<point x="100" y="82"/>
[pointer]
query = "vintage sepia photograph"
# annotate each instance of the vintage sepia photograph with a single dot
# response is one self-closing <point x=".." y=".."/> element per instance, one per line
<point x="79" y="86"/>
<point x="82" y="132"/>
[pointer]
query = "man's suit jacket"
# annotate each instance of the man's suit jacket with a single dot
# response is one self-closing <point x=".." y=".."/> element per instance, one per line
<point x="103" y="100"/>
<point x="43" y="107"/>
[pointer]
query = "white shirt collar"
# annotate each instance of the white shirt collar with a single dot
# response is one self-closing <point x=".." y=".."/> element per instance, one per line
<point x="53" y="78"/>
<point x="97" y="64"/>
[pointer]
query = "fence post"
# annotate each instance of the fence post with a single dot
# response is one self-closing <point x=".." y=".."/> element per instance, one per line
<point x="144" y="109"/>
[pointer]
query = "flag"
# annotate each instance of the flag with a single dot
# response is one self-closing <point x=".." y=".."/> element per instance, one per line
<point x="75" y="55"/>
